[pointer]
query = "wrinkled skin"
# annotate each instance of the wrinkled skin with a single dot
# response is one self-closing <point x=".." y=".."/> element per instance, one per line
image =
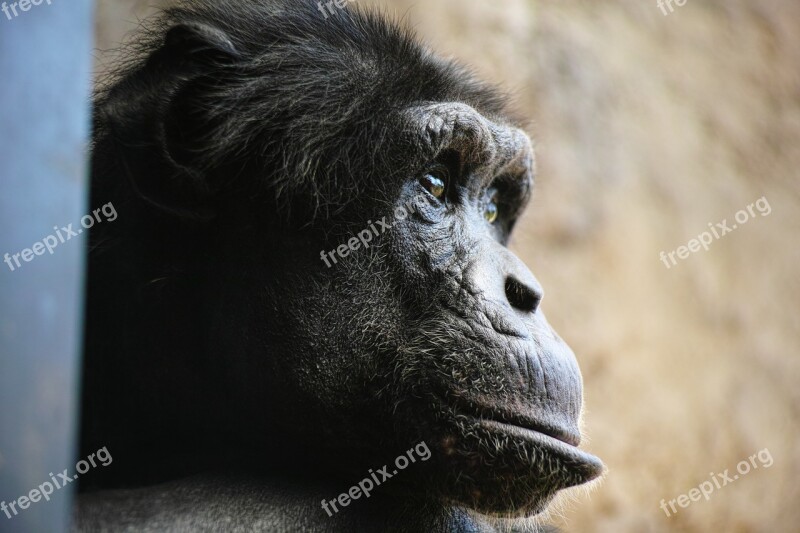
<point x="217" y="338"/>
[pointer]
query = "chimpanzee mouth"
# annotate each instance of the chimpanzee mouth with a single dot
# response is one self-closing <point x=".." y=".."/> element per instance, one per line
<point x="586" y="465"/>
<point x="555" y="441"/>
<point x="572" y="438"/>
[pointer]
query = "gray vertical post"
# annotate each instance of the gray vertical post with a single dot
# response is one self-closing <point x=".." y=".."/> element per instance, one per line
<point x="45" y="62"/>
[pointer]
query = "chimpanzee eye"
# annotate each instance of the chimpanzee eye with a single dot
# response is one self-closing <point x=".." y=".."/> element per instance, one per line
<point x="435" y="182"/>
<point x="491" y="210"/>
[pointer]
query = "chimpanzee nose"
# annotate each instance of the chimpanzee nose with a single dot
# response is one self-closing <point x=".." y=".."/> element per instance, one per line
<point x="502" y="276"/>
<point x="522" y="289"/>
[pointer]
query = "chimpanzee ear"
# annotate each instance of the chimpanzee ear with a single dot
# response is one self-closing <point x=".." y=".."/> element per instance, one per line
<point x="193" y="40"/>
<point x="160" y="119"/>
<point x="204" y="51"/>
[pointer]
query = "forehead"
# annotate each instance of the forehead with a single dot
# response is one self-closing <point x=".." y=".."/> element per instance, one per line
<point x="500" y="147"/>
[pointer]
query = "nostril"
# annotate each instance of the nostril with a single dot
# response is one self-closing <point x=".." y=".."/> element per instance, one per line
<point x="521" y="296"/>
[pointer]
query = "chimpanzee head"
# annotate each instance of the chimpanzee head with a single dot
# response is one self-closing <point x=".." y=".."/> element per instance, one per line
<point x="334" y="203"/>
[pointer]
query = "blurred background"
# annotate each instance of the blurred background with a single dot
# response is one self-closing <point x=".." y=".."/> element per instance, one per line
<point x="649" y="127"/>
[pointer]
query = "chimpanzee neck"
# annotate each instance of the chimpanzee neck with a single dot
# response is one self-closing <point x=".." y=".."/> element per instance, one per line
<point x="247" y="503"/>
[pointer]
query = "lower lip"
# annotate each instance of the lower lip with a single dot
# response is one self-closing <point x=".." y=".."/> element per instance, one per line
<point x="573" y="457"/>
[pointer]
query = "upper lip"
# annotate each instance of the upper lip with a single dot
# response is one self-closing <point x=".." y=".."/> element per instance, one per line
<point x="571" y="437"/>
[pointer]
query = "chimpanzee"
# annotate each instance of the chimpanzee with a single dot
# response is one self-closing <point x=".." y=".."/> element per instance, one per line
<point x="251" y="356"/>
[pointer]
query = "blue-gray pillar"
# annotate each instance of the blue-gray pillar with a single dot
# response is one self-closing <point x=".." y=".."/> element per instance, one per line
<point x="45" y="62"/>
